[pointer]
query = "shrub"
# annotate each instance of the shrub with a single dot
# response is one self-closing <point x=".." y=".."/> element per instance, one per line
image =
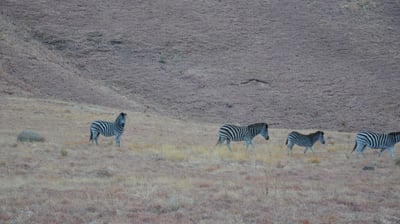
<point x="64" y="152"/>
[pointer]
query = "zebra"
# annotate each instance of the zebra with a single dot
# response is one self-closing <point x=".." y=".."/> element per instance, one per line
<point x="107" y="129"/>
<point x="230" y="132"/>
<point x="308" y="141"/>
<point x="373" y="140"/>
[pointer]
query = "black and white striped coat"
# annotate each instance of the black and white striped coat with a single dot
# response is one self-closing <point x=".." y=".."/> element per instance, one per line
<point x="373" y="140"/>
<point x="230" y="132"/>
<point x="107" y="129"/>
<point x="307" y="141"/>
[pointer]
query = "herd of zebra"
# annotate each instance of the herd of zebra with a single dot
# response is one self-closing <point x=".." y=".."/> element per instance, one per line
<point x="230" y="132"/>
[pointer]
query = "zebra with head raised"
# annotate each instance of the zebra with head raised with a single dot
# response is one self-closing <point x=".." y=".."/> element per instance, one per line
<point x="230" y="132"/>
<point x="373" y="140"/>
<point x="307" y="141"/>
<point x="107" y="129"/>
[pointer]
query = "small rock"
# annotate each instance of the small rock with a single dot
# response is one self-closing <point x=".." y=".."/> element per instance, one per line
<point x="104" y="173"/>
<point x="397" y="162"/>
<point x="369" y="168"/>
<point x="30" y="136"/>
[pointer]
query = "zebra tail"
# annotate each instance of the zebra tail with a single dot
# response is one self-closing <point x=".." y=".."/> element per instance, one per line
<point x="355" y="146"/>
<point x="219" y="141"/>
<point x="286" y="141"/>
<point x="91" y="136"/>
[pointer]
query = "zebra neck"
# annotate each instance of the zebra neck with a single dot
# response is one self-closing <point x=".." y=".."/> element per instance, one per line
<point x="396" y="137"/>
<point x="314" y="137"/>
<point x="253" y="132"/>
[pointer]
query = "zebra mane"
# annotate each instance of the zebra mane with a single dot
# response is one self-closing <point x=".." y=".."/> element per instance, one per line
<point x="120" y="117"/>
<point x="258" y="126"/>
<point x="394" y="133"/>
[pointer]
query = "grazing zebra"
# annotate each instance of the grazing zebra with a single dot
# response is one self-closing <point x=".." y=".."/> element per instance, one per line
<point x="230" y="132"/>
<point x="376" y="141"/>
<point x="308" y="141"/>
<point x="107" y="129"/>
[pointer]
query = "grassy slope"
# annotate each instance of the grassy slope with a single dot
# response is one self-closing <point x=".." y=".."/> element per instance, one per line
<point x="169" y="171"/>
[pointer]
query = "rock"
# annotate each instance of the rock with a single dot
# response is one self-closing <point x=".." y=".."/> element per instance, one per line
<point x="30" y="136"/>
<point x="397" y="162"/>
<point x="369" y="168"/>
<point x="104" y="173"/>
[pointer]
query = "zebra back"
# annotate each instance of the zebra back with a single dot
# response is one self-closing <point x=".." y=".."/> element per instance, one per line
<point x="376" y="140"/>
<point x="233" y="132"/>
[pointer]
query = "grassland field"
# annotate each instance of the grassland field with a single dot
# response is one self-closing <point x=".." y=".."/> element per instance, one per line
<point x="170" y="171"/>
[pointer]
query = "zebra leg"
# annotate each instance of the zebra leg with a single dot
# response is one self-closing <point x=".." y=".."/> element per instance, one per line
<point x="359" y="150"/>
<point x="305" y="150"/>
<point x="391" y="149"/>
<point x="118" y="140"/>
<point x="249" y="142"/>
<point x="289" y="149"/>
<point x="228" y="143"/>
<point x="312" y="149"/>
<point x="96" y="137"/>
<point x="220" y="140"/>
<point x="252" y="145"/>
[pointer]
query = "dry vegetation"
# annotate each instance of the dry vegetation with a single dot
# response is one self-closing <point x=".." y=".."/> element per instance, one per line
<point x="170" y="171"/>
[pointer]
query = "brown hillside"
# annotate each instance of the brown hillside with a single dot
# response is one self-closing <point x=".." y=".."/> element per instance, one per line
<point x="295" y="64"/>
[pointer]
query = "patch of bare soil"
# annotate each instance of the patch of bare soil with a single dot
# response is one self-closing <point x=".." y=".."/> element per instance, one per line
<point x="295" y="64"/>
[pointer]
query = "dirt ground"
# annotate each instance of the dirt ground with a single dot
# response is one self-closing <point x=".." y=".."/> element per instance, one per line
<point x="330" y="65"/>
<point x="170" y="171"/>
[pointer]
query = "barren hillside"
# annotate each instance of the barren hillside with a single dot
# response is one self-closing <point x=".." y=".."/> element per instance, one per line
<point x="295" y="64"/>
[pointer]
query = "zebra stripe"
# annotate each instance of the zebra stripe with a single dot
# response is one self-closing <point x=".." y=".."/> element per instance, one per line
<point x="230" y="132"/>
<point x="307" y="141"/>
<point x="107" y="129"/>
<point x="373" y="140"/>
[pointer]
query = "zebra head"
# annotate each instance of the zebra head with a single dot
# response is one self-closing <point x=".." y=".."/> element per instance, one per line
<point x="321" y="137"/>
<point x="264" y="131"/>
<point x="120" y="121"/>
<point x="262" y="128"/>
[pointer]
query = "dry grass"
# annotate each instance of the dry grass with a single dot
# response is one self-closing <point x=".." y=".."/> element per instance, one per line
<point x="170" y="171"/>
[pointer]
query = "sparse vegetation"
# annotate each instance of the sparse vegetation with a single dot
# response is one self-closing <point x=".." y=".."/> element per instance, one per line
<point x="173" y="178"/>
<point x="358" y="5"/>
<point x="314" y="160"/>
<point x="64" y="152"/>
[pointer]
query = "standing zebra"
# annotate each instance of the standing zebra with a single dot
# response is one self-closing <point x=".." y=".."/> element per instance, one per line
<point x="230" y="132"/>
<point x="376" y="141"/>
<point x="308" y="141"/>
<point x="107" y="129"/>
